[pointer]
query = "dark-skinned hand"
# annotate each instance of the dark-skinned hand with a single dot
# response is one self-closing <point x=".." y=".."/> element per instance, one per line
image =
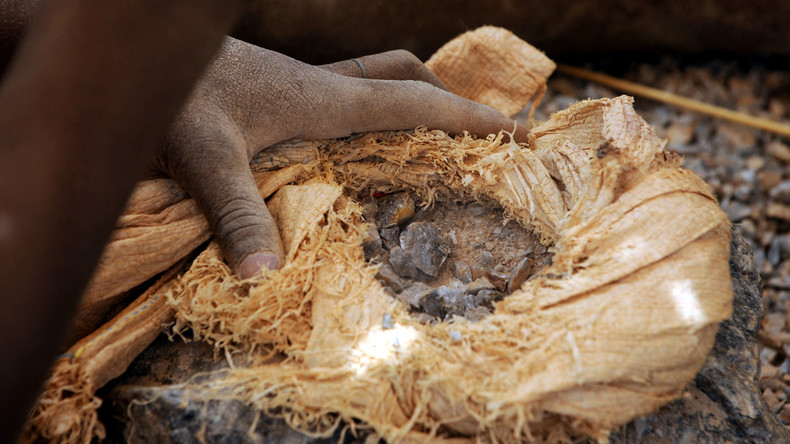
<point x="251" y="98"/>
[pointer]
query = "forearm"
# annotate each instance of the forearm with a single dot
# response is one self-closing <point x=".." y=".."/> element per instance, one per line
<point x="88" y="98"/>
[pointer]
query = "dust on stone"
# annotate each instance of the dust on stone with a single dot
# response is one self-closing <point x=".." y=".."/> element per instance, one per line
<point x="456" y="258"/>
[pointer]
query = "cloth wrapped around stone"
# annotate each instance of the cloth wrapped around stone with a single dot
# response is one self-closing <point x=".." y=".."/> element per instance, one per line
<point x="615" y="327"/>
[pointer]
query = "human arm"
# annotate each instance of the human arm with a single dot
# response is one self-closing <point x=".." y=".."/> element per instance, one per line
<point x="88" y="99"/>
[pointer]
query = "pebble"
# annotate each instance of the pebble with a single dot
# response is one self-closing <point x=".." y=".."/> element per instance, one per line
<point x="461" y="271"/>
<point x="776" y="108"/>
<point x="767" y="356"/>
<point x="755" y="163"/>
<point x="432" y="304"/>
<point x="739" y="137"/>
<point x="479" y="284"/>
<point x="455" y="300"/>
<point x="499" y="280"/>
<point x="748" y="228"/>
<point x="769" y="178"/>
<point x="679" y="134"/>
<point x="485" y="260"/>
<point x="759" y="258"/>
<point x="779" y="282"/>
<point x="520" y="273"/>
<point x="777" y="210"/>
<point x="488" y="297"/>
<point x="394" y="209"/>
<point x="736" y="210"/>
<point x="779" y="151"/>
<point x="774" y="252"/>
<point x="413" y="294"/>
<point x="389" y="277"/>
<point x="428" y="249"/>
<point x="390" y="237"/>
<point x="781" y="192"/>
<point x="371" y="241"/>
<point x="402" y="264"/>
<point x="771" y="399"/>
<point x="771" y="329"/>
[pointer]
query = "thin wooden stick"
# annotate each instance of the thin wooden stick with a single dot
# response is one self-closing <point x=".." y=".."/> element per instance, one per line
<point x="676" y="100"/>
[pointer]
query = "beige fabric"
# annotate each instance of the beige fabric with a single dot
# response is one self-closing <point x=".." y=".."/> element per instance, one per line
<point x="66" y="411"/>
<point x="615" y="327"/>
<point x="493" y="66"/>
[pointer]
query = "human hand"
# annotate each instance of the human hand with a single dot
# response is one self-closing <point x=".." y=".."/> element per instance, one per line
<point x="251" y="98"/>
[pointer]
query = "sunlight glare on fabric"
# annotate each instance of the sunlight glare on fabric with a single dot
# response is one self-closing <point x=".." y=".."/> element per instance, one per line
<point x="381" y="345"/>
<point x="687" y="302"/>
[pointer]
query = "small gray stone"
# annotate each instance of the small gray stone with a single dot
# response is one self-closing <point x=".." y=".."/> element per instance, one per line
<point x="390" y="237"/>
<point x="413" y="294"/>
<point x="431" y="304"/>
<point x="452" y="298"/>
<point x="427" y="247"/>
<point x="486" y="298"/>
<point x="520" y="273"/>
<point x="402" y="264"/>
<point x="461" y="271"/>
<point x="743" y="193"/>
<point x="389" y="277"/>
<point x="748" y="228"/>
<point x="768" y="355"/>
<point x="781" y="192"/>
<point x="371" y="241"/>
<point x="485" y="260"/>
<point x="736" y="210"/>
<point x="499" y="280"/>
<point x="394" y="209"/>
<point x="479" y="284"/>
<point x="781" y="282"/>
<point x="775" y="250"/>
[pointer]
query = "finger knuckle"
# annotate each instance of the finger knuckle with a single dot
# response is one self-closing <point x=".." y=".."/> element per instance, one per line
<point x="237" y="217"/>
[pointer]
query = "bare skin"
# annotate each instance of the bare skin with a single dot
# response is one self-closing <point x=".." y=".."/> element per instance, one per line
<point x="99" y="89"/>
<point x="252" y="98"/>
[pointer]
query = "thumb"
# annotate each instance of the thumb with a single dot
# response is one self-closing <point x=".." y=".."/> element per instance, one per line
<point x="210" y="161"/>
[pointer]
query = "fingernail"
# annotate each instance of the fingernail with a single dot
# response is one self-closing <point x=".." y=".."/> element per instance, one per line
<point x="253" y="264"/>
